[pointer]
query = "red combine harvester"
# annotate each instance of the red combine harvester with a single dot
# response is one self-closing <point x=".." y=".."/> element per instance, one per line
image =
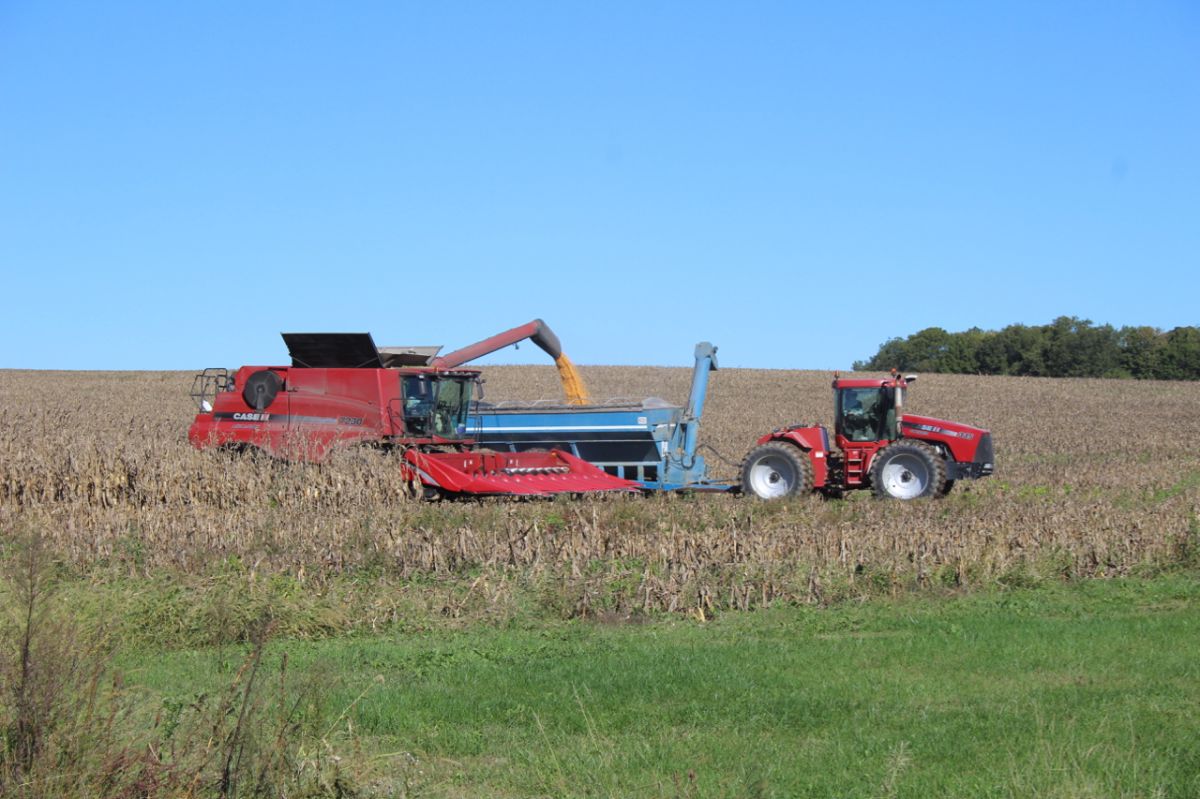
<point x="341" y="390"/>
<point x="879" y="447"/>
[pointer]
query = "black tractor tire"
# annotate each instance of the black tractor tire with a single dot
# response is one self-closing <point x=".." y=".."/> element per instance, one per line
<point x="908" y="470"/>
<point x="261" y="388"/>
<point x="776" y="470"/>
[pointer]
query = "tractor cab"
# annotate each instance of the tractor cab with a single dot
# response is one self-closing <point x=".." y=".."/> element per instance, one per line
<point x="868" y="410"/>
<point x="437" y="405"/>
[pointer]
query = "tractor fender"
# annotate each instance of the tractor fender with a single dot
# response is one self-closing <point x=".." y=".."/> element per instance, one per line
<point x="812" y="441"/>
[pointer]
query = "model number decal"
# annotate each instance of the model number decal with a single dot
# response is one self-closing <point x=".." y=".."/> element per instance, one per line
<point x="928" y="428"/>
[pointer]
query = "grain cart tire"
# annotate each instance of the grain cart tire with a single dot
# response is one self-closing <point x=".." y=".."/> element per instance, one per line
<point x="261" y="388"/>
<point x="908" y="470"/>
<point x="776" y="470"/>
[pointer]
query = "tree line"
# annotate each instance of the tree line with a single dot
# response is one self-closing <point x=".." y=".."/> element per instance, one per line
<point x="1067" y="347"/>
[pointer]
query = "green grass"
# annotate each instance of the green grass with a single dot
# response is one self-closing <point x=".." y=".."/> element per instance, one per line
<point x="1080" y="690"/>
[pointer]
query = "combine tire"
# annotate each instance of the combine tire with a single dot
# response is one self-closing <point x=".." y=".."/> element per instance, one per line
<point x="776" y="470"/>
<point x="261" y="388"/>
<point x="908" y="470"/>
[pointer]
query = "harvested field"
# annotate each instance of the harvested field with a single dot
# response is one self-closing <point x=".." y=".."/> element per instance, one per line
<point x="1094" y="478"/>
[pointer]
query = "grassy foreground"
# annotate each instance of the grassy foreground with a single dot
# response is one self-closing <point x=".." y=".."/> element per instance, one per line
<point x="1089" y="689"/>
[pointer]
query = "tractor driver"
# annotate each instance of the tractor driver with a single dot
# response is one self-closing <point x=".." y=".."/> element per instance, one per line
<point x="859" y="415"/>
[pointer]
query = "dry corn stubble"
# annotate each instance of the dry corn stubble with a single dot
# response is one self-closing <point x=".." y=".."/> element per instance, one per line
<point x="1094" y="477"/>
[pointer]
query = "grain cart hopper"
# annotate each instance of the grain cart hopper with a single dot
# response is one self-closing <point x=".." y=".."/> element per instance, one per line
<point x="653" y="442"/>
<point x="341" y="390"/>
<point x="899" y="456"/>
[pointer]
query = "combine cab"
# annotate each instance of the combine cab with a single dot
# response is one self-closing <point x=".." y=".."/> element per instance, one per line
<point x="341" y="390"/>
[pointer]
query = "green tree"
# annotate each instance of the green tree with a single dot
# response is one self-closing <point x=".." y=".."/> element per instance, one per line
<point x="1141" y="351"/>
<point x="962" y="356"/>
<point x="1075" y="348"/>
<point x="1023" y="350"/>
<point x="893" y="354"/>
<point x="1181" y="354"/>
<point x="1067" y="347"/>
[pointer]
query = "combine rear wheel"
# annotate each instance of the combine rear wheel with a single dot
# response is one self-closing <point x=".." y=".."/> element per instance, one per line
<point x="908" y="470"/>
<point x="776" y="470"/>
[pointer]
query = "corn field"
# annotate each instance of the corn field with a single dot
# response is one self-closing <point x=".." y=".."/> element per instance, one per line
<point x="1093" y="478"/>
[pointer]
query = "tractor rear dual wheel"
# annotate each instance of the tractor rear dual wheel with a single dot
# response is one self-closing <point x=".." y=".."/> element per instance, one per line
<point x="909" y="470"/>
<point x="776" y="470"/>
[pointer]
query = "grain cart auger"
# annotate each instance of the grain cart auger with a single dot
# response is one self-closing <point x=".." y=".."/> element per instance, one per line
<point x="878" y="446"/>
<point x="341" y="390"/>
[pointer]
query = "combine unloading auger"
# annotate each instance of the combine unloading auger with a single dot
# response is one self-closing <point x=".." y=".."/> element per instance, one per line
<point x="540" y="334"/>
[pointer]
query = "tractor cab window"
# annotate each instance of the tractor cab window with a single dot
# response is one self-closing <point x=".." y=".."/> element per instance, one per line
<point x="436" y="406"/>
<point x="867" y="414"/>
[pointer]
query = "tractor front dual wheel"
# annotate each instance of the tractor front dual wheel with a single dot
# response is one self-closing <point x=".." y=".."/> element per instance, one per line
<point x="776" y="470"/>
<point x="909" y="470"/>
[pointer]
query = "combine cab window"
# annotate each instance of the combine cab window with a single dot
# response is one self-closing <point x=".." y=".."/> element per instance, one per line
<point x="867" y="414"/>
<point x="436" y="406"/>
<point x="450" y="413"/>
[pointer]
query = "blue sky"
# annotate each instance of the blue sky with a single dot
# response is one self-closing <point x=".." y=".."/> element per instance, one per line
<point x="796" y="182"/>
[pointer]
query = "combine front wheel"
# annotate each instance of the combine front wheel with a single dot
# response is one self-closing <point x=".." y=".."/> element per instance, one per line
<point x="908" y="471"/>
<point x="776" y="470"/>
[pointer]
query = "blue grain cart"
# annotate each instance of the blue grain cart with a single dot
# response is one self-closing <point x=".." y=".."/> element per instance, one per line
<point x="653" y="443"/>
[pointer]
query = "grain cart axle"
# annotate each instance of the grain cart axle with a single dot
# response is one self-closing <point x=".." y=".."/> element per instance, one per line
<point x="879" y="447"/>
<point x="341" y="390"/>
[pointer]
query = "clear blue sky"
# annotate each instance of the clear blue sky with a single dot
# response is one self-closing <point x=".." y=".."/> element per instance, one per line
<point x="796" y="182"/>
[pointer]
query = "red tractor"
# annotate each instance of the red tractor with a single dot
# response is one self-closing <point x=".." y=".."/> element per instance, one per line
<point x="878" y="446"/>
<point x="341" y="390"/>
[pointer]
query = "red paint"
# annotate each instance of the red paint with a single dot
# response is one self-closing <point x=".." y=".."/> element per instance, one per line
<point x="852" y="460"/>
<point x="812" y="442"/>
<point x="318" y="410"/>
